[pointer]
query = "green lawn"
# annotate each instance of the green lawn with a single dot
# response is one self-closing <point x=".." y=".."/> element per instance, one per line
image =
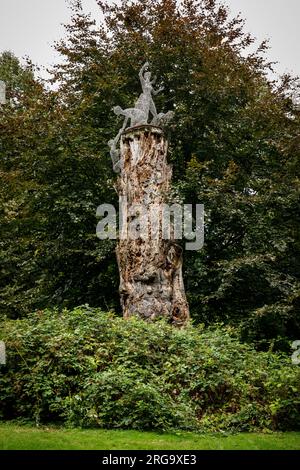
<point x="14" y="437"/>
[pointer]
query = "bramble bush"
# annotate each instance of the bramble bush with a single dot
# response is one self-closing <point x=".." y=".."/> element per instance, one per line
<point x="89" y="368"/>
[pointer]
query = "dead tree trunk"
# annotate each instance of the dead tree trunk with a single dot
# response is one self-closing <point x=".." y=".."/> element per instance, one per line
<point x="151" y="283"/>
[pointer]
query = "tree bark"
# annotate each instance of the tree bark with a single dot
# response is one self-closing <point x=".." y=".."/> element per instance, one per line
<point x="151" y="283"/>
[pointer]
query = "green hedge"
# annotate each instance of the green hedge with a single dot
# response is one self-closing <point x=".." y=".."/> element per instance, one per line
<point x="89" y="368"/>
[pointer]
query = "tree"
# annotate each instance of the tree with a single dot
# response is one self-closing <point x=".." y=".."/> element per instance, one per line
<point x="17" y="130"/>
<point x="50" y="254"/>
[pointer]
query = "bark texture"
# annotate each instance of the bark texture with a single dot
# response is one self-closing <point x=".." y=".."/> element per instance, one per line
<point x="151" y="283"/>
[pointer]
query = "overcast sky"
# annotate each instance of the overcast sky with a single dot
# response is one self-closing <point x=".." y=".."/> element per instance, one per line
<point x="29" y="27"/>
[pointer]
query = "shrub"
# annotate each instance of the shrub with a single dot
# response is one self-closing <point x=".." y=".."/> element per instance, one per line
<point x="90" y="368"/>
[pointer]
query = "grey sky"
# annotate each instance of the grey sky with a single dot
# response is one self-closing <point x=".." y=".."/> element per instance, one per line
<point x="29" y="27"/>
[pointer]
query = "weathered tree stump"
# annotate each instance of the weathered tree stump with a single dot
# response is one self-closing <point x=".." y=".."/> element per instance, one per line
<point x="151" y="283"/>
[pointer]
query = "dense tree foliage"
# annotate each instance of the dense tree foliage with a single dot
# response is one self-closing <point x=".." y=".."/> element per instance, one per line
<point x="52" y="186"/>
<point x="234" y="148"/>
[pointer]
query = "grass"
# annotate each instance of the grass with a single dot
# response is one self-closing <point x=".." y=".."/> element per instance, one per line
<point x="15" y="437"/>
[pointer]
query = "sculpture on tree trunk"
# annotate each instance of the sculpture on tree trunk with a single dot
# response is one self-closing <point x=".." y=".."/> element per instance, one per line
<point x="150" y="266"/>
<point x="2" y="92"/>
<point x="145" y="102"/>
<point x="139" y="115"/>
